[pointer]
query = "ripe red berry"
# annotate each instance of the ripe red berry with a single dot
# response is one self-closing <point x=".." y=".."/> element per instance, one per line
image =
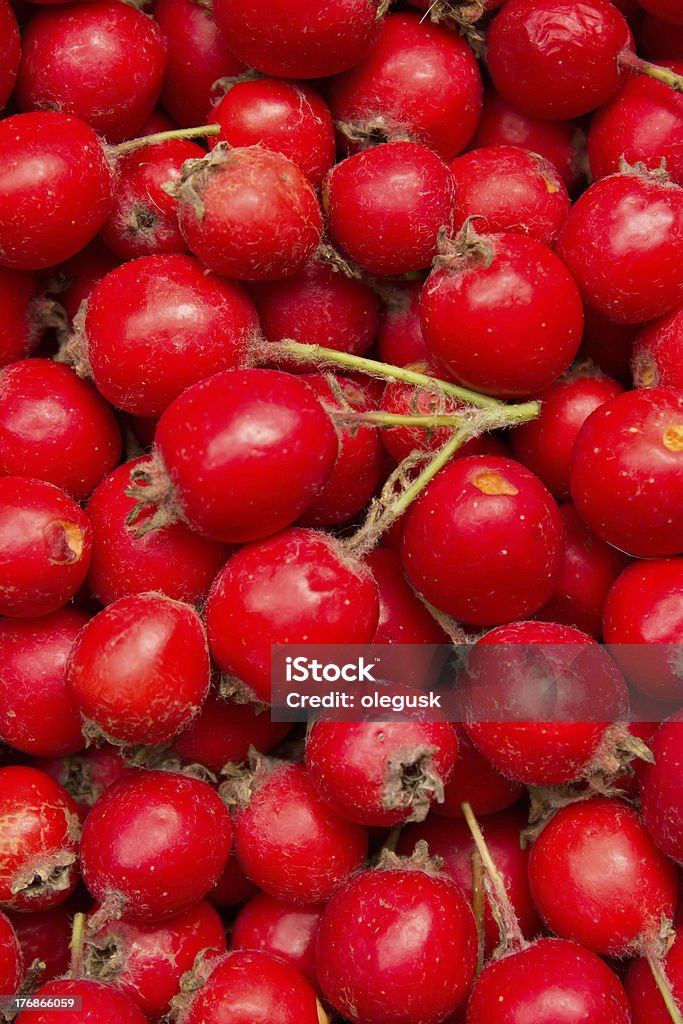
<point x="312" y="40"/>
<point x="635" y="221"/>
<point x="97" y="1002"/>
<point x="557" y="58"/>
<point x="72" y="282"/>
<point x="45" y="935"/>
<point x="299" y="586"/>
<point x="180" y="831"/>
<point x="381" y="773"/>
<point x="483" y="542"/>
<point x="661" y="788"/>
<point x="11" y="959"/>
<point x="288" y="841"/>
<point x="598" y="879"/>
<point x="67" y="159"/>
<point x="55" y="427"/>
<point x="400" y="340"/>
<point x="155" y="326"/>
<point x="385" y="206"/>
<point x="420" y="81"/>
<point x="243" y="454"/>
<point x="10" y="51"/>
<point x="513" y="189"/>
<point x="403" y="619"/>
<point x="20" y="314"/>
<point x="548" y="978"/>
<point x="38" y="713"/>
<point x="476" y="781"/>
<point x="656" y="356"/>
<point x="286" y="117"/>
<point x="284" y="930"/>
<point x="647" y="1004"/>
<point x="39" y="871"/>
<point x="45" y="545"/>
<point x="634" y="445"/>
<point x="501" y="313"/>
<point x="608" y="345"/>
<point x="386" y="927"/>
<point x="77" y="59"/>
<point x="139" y="670"/>
<point x="249" y="213"/>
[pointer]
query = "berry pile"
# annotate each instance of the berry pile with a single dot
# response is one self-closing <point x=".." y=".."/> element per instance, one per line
<point x="338" y="322"/>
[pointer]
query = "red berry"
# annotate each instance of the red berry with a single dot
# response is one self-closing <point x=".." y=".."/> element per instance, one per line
<point x="232" y="888"/>
<point x="557" y="58"/>
<point x="284" y="930"/>
<point x="146" y="961"/>
<point x="381" y="773"/>
<point x="633" y="444"/>
<point x="385" y="206"/>
<point x="10" y="51"/>
<point x="420" y="81"/>
<point x="513" y="189"/>
<point x="174" y="560"/>
<point x="635" y="222"/>
<point x="286" y="117"/>
<point x="608" y="345"/>
<point x="661" y="788"/>
<point x="598" y="879"/>
<point x="403" y="619"/>
<point x="400" y="338"/>
<point x="11" y="959"/>
<point x="39" y="871"/>
<point x="20" y="314"/>
<point x="55" y="427"/>
<point x="97" y="1002"/>
<point x="483" y="542"/>
<point x="72" y="282"/>
<point x="656" y="357"/>
<point x="314" y="39"/>
<point x="387" y="927"/>
<point x="66" y="159"/>
<point x="299" y="586"/>
<point x="45" y="935"/>
<point x="249" y="213"/>
<point x="155" y="326"/>
<point x="139" y="670"/>
<point x="246" y="452"/>
<point x="38" y="713"/>
<point x="475" y="780"/>
<point x="548" y="982"/>
<point x="502" y="314"/>
<point x="647" y="1004"/>
<point x="86" y="775"/>
<point x="45" y="545"/>
<point x="101" y="61"/>
<point x="545" y="445"/>
<point x="179" y="831"/>
<point x="288" y="841"/>
<point x="668" y="10"/>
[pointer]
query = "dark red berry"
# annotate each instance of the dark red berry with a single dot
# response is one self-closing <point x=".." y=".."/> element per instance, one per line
<point x="285" y="930"/>
<point x="656" y="356"/>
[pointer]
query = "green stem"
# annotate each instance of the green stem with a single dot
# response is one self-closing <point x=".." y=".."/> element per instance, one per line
<point x="632" y="62"/>
<point x="320" y="354"/>
<point x="662" y="983"/>
<point x="77" y="939"/>
<point x="505" y="416"/>
<point x="201" y="132"/>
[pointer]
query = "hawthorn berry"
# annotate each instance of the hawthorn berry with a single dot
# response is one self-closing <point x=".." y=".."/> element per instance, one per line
<point x="660" y="788"/>
<point x="647" y="1004"/>
<point x="20" y="319"/>
<point x="45" y="935"/>
<point x="11" y="959"/>
<point x="476" y="781"/>
<point x="655" y="360"/>
<point x="285" y="930"/>
<point x="97" y="1002"/>
<point x="10" y="51"/>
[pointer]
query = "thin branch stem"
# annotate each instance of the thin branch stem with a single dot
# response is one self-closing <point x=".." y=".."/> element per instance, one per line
<point x="632" y="62"/>
<point x="662" y="983"/>
<point x="77" y="939"/>
<point x="200" y="132"/>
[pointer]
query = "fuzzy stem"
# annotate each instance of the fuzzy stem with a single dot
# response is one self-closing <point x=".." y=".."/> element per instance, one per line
<point x="77" y="939"/>
<point x="200" y="132"/>
<point x="478" y="905"/>
<point x="320" y="354"/>
<point x="507" y="415"/>
<point x="662" y="983"/>
<point x="632" y="62"/>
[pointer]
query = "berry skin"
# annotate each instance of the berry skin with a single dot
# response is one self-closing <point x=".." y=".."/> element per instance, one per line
<point x="249" y="213"/>
<point x="38" y="713"/>
<point x="11" y="959"/>
<point x="381" y="773"/>
<point x="644" y="607"/>
<point x="139" y="670"/>
<point x="245" y="452"/>
<point x="513" y="189"/>
<point x="476" y="780"/>
<point x="484" y="541"/>
<point x="45" y="545"/>
<point x="385" y="206"/>
<point x="400" y="340"/>
<point x="646" y="1001"/>
<point x="288" y="841"/>
<point x="656" y="357"/>
<point x="180" y="831"/>
<point x="157" y="325"/>
<point x="381" y="928"/>
<point x="420" y="81"/>
<point x="661" y="788"/>
<point x="77" y="59"/>
<point x="66" y="159"/>
<point x="45" y="935"/>
<point x="635" y="222"/>
<point x="549" y="982"/>
<point x="502" y="314"/>
<point x="299" y="586"/>
<point x="557" y="58"/>
<point x="312" y="40"/>
<point x="284" y="930"/>
<point x="55" y="427"/>
<point x="668" y="10"/>
<point x="98" y="1002"/>
<point x="598" y="879"/>
<point x="403" y="619"/>
<point x="40" y="871"/>
<point x="10" y="51"/>
<point x="286" y="117"/>
<point x="634" y="445"/>
<point x="20" y="326"/>
<point x="174" y="560"/>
